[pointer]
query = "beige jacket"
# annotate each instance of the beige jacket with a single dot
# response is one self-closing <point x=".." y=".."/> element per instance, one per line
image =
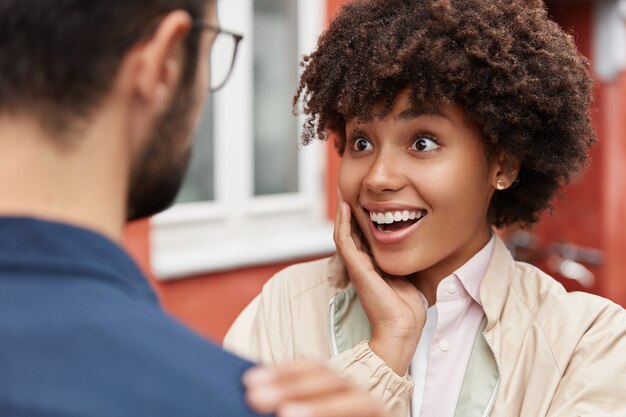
<point x="542" y="351"/>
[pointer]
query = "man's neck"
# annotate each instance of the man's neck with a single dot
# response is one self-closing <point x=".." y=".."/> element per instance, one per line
<point x="83" y="185"/>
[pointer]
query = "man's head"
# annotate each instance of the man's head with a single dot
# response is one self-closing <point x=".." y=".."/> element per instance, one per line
<point x="60" y="60"/>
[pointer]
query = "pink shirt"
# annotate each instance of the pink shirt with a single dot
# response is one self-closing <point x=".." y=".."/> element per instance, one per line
<point x="439" y="364"/>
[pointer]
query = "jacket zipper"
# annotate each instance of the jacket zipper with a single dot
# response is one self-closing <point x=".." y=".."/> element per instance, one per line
<point x="332" y="342"/>
<point x="496" y="391"/>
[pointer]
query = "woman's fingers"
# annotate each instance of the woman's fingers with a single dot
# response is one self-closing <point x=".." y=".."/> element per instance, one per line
<point x="354" y="258"/>
<point x="411" y="297"/>
<point x="337" y="218"/>
<point x="344" y="216"/>
<point x="372" y="288"/>
<point x="307" y="389"/>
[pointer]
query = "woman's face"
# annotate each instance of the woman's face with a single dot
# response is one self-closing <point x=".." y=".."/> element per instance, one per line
<point x="419" y="185"/>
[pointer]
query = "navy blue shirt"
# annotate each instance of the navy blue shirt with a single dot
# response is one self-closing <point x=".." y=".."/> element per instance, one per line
<point x="82" y="334"/>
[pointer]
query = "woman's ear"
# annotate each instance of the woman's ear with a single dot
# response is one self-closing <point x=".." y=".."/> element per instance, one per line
<point x="506" y="170"/>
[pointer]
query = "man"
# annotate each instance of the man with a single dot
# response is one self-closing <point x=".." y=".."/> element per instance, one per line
<point x="98" y="102"/>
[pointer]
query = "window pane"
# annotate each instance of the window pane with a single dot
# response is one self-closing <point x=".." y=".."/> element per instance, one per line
<point x="275" y="75"/>
<point x="198" y="185"/>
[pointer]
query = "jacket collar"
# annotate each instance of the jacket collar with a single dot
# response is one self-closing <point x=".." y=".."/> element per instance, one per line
<point x="495" y="286"/>
<point x="472" y="272"/>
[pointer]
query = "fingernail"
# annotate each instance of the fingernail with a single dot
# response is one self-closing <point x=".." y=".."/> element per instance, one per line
<point x="295" y="410"/>
<point x="258" y="376"/>
<point x="264" y="399"/>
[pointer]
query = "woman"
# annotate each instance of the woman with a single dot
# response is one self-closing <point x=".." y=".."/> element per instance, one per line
<point x="452" y="117"/>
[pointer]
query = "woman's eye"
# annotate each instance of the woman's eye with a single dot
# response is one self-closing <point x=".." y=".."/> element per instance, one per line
<point x="361" y="144"/>
<point x="425" y="144"/>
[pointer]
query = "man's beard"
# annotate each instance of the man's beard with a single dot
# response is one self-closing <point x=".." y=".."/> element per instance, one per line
<point x="159" y="171"/>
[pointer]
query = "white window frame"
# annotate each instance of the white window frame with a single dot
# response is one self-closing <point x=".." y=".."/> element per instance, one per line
<point x="609" y="35"/>
<point x="239" y="229"/>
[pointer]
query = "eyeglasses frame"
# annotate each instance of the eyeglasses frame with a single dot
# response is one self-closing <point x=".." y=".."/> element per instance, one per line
<point x="237" y="38"/>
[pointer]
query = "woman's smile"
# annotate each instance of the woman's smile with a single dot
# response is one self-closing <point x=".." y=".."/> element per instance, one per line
<point x="392" y="223"/>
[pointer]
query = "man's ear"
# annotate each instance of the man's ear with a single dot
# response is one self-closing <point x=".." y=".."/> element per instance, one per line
<point x="154" y="66"/>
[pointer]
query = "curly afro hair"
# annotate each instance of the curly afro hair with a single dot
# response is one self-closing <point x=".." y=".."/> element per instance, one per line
<point x="513" y="71"/>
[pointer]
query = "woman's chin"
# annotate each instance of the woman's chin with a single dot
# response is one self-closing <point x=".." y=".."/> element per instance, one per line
<point x="396" y="269"/>
<point x="400" y="262"/>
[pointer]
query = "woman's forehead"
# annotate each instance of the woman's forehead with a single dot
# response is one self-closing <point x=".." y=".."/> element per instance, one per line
<point x="404" y="106"/>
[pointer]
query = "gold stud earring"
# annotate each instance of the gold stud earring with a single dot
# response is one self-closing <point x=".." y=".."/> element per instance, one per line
<point x="501" y="185"/>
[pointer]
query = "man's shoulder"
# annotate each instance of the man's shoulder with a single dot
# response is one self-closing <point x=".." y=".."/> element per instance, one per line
<point x="101" y="352"/>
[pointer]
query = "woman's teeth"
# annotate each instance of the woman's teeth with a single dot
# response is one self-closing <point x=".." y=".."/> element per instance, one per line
<point x="390" y="217"/>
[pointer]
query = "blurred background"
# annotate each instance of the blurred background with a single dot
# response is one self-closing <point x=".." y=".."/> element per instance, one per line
<point x="255" y="201"/>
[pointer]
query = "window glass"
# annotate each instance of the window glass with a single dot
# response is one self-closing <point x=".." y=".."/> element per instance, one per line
<point x="275" y="75"/>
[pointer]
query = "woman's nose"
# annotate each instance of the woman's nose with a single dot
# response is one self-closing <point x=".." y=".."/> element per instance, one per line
<point x="384" y="174"/>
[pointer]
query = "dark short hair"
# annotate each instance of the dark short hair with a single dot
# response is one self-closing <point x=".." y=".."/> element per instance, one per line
<point x="59" y="57"/>
<point x="513" y="70"/>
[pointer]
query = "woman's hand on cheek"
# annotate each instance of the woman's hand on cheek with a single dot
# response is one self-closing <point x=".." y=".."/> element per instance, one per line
<point x="394" y="307"/>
